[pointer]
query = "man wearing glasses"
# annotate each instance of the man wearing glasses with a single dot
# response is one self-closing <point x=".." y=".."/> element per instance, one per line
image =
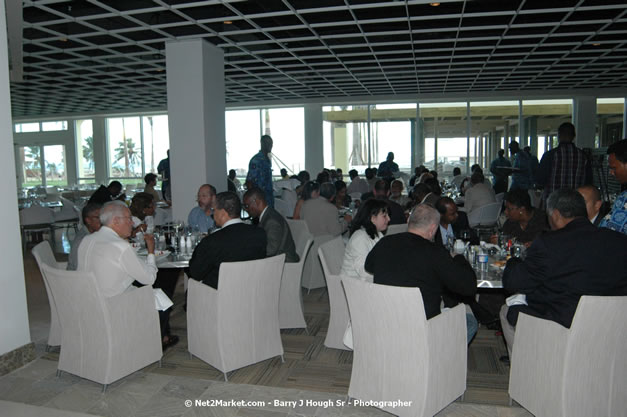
<point x="201" y="216"/>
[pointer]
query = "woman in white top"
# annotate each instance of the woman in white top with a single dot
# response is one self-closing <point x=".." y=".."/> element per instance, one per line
<point x="142" y="209"/>
<point x="366" y="229"/>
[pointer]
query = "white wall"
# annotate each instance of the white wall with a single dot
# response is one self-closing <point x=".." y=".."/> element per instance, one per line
<point x="14" y="331"/>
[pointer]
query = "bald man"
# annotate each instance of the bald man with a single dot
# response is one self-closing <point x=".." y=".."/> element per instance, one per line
<point x="594" y="204"/>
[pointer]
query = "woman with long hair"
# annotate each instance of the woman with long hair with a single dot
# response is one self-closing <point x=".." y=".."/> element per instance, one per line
<point x="142" y="206"/>
<point x="311" y="189"/>
<point x="366" y="229"/>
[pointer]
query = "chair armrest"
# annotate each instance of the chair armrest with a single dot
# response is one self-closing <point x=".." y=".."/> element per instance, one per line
<point x="62" y="265"/>
<point x="202" y="314"/>
<point x="537" y="362"/>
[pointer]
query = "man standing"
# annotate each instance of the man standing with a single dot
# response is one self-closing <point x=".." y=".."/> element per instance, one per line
<point x="357" y="185"/>
<point x="105" y="194"/>
<point x="565" y="166"/>
<point x="499" y="171"/>
<point x="572" y="260"/>
<point x="260" y="170"/>
<point x="388" y="168"/>
<point x="617" y="161"/>
<point x="411" y="259"/>
<point x="277" y="230"/>
<point x="164" y="170"/>
<point x="522" y="177"/>
<point x="200" y="216"/>
<point x="91" y="221"/>
<point x="594" y="204"/>
<point x="235" y="241"/>
<point x="322" y="216"/>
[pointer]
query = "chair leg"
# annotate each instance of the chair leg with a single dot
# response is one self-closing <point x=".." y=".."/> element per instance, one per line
<point x="226" y="379"/>
<point x="191" y="356"/>
<point x="104" y="388"/>
<point x="47" y="348"/>
<point x="160" y="364"/>
<point x="282" y="359"/>
<point x="58" y="373"/>
<point x="511" y="401"/>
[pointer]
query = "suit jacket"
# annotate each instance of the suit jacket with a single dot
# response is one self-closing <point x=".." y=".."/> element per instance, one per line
<point x="408" y="260"/>
<point x="234" y="243"/>
<point x="562" y="265"/>
<point x="460" y="224"/>
<point x="322" y="217"/>
<point x="278" y="235"/>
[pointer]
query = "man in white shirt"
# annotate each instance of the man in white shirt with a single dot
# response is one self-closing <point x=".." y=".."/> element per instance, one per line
<point x="108" y="255"/>
<point x="357" y="185"/>
<point x="480" y="194"/>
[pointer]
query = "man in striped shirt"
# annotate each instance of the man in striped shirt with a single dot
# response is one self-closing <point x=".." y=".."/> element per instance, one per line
<point x="566" y="166"/>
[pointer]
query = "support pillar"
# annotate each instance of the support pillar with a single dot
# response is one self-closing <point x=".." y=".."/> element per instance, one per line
<point x="314" y="149"/>
<point x="584" y="118"/>
<point x="195" y="86"/>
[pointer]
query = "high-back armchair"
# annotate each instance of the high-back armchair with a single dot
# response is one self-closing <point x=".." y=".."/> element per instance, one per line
<point x="331" y="256"/>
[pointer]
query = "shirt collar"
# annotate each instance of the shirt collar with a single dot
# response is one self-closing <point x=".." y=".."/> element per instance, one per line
<point x="262" y="213"/>
<point x="232" y="221"/>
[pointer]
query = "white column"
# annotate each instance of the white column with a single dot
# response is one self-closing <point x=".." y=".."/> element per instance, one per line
<point x="584" y="119"/>
<point x="100" y="150"/>
<point x="14" y="315"/>
<point x="195" y="85"/>
<point x="314" y="152"/>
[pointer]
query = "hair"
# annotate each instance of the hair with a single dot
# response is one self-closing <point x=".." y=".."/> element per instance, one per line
<point x="434" y="173"/>
<point x="619" y="149"/>
<point x="139" y="202"/>
<point x="115" y="184"/>
<point x="323" y="177"/>
<point x="369" y="173"/>
<point x="88" y="209"/>
<point x="229" y="202"/>
<point x="371" y="207"/>
<point x="232" y="172"/>
<point x="434" y="186"/>
<point x="150" y="177"/>
<point x="211" y="188"/>
<point x="566" y="132"/>
<point x="442" y="203"/>
<point x="110" y="211"/>
<point x="423" y="216"/>
<point x="519" y="198"/>
<point x="596" y="194"/>
<point x="256" y="193"/>
<point x="457" y="171"/>
<point x="514" y="146"/>
<point x="327" y="190"/>
<point x="283" y="171"/>
<point x="568" y="202"/>
<point x="381" y="185"/>
<point x="477" y="177"/>
<point x="474" y="167"/>
<point x="309" y="188"/>
<point x="339" y="185"/>
<point x="303" y="177"/>
<point x="397" y="182"/>
<point x="353" y="173"/>
<point x="266" y="138"/>
<point x="339" y="170"/>
<point x="501" y="152"/>
<point x="527" y="149"/>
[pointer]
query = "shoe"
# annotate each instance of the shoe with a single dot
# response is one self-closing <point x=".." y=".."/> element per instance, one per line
<point x="504" y="359"/>
<point x="172" y="340"/>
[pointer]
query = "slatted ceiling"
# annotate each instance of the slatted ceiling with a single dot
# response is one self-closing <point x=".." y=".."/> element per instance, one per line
<point x="76" y="53"/>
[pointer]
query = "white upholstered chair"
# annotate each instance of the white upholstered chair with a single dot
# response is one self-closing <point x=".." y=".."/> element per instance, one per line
<point x="399" y="354"/>
<point x="282" y="207"/>
<point x="312" y="275"/>
<point x="291" y="314"/>
<point x="299" y="230"/>
<point x="485" y="215"/>
<point x="238" y="324"/>
<point x="576" y="372"/>
<point x="396" y="228"/>
<point x="44" y="256"/>
<point x="331" y="256"/>
<point x="36" y="219"/>
<point x="103" y="339"/>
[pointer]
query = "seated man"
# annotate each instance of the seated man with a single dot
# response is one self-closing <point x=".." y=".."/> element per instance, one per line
<point x="151" y="180"/>
<point x="357" y="185"/>
<point x="91" y="220"/>
<point x="617" y="162"/>
<point x="108" y="255"/>
<point x="321" y="216"/>
<point x="277" y="230"/>
<point x="395" y="211"/>
<point x="200" y="216"/>
<point x="574" y="259"/>
<point x="479" y="194"/>
<point x="235" y="241"/>
<point x="396" y="194"/>
<point x="411" y="259"/>
<point x="594" y="204"/>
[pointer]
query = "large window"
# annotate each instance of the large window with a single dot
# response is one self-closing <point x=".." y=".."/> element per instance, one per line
<point x="391" y="131"/>
<point x="445" y="122"/>
<point x="156" y="141"/>
<point x="42" y="165"/>
<point x="54" y="160"/>
<point x="124" y="147"/>
<point x="30" y="161"/>
<point x="345" y="138"/>
<point x="40" y="126"/>
<point x="541" y="118"/>
<point x="609" y="121"/>
<point x="244" y="129"/>
<point x="85" y="151"/>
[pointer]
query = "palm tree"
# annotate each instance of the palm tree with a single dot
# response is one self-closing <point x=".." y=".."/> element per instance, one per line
<point x="129" y="153"/>
<point x="88" y="151"/>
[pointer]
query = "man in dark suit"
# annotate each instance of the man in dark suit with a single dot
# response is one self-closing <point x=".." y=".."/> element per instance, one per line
<point x="574" y="259"/>
<point x="411" y="259"/>
<point x="594" y="205"/>
<point x="235" y="241"/>
<point x="277" y="230"/>
<point x="452" y="221"/>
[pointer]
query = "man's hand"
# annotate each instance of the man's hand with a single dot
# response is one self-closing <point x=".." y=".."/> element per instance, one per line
<point x="150" y="243"/>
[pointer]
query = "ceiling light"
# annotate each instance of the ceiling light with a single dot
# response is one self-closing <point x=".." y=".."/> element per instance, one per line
<point x="228" y="22"/>
<point x="596" y="44"/>
<point x="434" y="4"/>
<point x="63" y="39"/>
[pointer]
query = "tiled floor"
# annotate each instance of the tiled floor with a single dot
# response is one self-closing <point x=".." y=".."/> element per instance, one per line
<point x="164" y="391"/>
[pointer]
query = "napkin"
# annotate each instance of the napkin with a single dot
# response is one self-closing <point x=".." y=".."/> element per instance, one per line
<point x="516" y="299"/>
<point x="162" y="301"/>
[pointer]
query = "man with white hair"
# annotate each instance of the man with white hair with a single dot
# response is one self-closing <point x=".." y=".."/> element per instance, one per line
<point x="109" y="256"/>
<point x="412" y="259"/>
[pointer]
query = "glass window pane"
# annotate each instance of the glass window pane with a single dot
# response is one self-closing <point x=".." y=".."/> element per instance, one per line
<point x="52" y="126"/>
<point x="242" y="139"/>
<point x="287" y="128"/>
<point x="541" y="118"/>
<point x="30" y="158"/>
<point x="345" y="138"/>
<point x="26" y="127"/>
<point x="450" y="129"/>
<point x="55" y="165"/>
<point x="609" y="120"/>
<point x="124" y="147"/>
<point x="156" y="141"/>
<point x="85" y="149"/>
<point x="391" y="132"/>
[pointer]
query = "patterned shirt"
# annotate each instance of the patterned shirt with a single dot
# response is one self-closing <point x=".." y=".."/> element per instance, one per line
<point x="617" y="218"/>
<point x="564" y="167"/>
<point x="260" y="174"/>
<point x="523" y="177"/>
